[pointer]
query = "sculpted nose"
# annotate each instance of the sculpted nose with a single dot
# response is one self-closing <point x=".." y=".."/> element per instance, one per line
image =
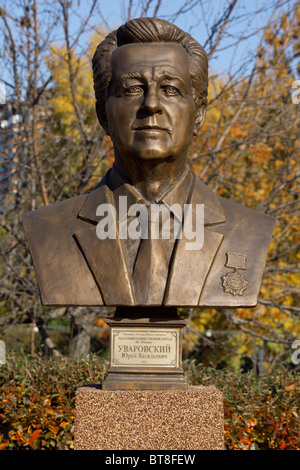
<point x="152" y="102"/>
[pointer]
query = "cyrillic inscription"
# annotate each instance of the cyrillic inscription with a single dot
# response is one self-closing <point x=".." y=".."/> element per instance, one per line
<point x="145" y="347"/>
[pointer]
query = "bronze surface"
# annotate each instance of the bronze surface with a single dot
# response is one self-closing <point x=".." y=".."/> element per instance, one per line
<point x="151" y="100"/>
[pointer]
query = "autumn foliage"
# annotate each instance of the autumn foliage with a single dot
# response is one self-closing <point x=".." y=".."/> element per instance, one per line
<point x="37" y="401"/>
<point x="37" y="404"/>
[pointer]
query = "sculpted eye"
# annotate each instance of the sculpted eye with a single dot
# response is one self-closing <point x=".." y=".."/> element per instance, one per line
<point x="170" y="90"/>
<point x="134" y="90"/>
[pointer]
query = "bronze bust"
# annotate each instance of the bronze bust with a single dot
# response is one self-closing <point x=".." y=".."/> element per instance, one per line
<point x="150" y="81"/>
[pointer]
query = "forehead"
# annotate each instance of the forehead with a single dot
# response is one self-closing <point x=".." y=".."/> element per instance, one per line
<point x="151" y="58"/>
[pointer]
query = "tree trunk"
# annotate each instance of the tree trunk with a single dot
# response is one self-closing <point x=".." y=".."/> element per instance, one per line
<point x="81" y="332"/>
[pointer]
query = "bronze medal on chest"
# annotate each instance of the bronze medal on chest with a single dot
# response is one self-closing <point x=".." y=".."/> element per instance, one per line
<point x="233" y="282"/>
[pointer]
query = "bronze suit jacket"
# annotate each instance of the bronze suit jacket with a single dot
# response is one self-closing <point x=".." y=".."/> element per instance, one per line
<point x="74" y="267"/>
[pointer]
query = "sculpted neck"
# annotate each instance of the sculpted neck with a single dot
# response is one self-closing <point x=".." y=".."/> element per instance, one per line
<point x="152" y="178"/>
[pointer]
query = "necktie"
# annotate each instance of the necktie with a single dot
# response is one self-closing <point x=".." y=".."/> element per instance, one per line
<point x="151" y="269"/>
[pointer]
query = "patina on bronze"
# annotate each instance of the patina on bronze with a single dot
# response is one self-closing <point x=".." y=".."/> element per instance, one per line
<point x="150" y="81"/>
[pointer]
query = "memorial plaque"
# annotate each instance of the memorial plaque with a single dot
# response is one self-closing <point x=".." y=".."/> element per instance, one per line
<point x="145" y="347"/>
<point x="145" y="353"/>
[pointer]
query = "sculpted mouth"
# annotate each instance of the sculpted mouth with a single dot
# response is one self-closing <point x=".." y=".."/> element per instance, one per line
<point x="151" y="128"/>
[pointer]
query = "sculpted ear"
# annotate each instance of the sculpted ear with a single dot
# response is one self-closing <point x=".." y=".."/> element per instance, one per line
<point x="200" y="118"/>
<point x="102" y="118"/>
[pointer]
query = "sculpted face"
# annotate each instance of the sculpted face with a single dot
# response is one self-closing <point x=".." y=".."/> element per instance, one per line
<point x="150" y="109"/>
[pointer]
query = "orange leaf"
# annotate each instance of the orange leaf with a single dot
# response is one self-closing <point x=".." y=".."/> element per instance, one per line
<point x="290" y="388"/>
<point x="54" y="429"/>
<point x="64" y="424"/>
<point x="246" y="441"/>
<point x="19" y="437"/>
<point x="35" y="434"/>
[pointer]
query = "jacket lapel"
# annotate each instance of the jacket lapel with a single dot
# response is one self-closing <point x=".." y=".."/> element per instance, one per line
<point x="190" y="268"/>
<point x="105" y="258"/>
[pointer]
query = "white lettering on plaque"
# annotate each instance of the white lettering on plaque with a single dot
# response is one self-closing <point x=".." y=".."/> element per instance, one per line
<point x="145" y="347"/>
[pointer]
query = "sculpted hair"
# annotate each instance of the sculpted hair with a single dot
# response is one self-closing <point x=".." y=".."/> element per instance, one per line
<point x="148" y="30"/>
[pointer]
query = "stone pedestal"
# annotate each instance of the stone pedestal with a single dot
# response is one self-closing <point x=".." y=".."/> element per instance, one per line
<point x="191" y="419"/>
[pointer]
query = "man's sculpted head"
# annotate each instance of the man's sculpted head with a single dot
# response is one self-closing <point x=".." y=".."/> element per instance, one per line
<point x="150" y="30"/>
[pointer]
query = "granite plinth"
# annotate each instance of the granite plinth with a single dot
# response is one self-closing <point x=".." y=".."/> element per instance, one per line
<point x="192" y="419"/>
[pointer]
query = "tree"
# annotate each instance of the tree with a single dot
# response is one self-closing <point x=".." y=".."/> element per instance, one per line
<point x="53" y="157"/>
<point x="249" y="153"/>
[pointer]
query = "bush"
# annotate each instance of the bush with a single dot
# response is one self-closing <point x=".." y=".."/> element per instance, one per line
<point x="261" y="412"/>
<point x="38" y="397"/>
<point x="37" y="400"/>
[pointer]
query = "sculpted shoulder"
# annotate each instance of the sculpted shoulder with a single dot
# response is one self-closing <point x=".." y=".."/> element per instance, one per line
<point x="62" y="273"/>
<point x="247" y="236"/>
<point x="239" y="215"/>
<point x="62" y="213"/>
<point x="54" y="213"/>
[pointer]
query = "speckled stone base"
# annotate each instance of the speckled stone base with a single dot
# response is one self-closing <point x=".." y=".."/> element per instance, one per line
<point x="149" y="420"/>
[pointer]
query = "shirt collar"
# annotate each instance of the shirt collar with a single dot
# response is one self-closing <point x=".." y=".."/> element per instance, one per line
<point x="176" y="193"/>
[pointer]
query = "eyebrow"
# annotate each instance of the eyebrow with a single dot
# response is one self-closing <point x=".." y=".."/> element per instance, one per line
<point x="170" y="76"/>
<point x="140" y="75"/>
<point x="131" y="75"/>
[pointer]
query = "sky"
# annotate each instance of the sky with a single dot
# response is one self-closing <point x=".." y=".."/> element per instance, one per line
<point x="245" y="22"/>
